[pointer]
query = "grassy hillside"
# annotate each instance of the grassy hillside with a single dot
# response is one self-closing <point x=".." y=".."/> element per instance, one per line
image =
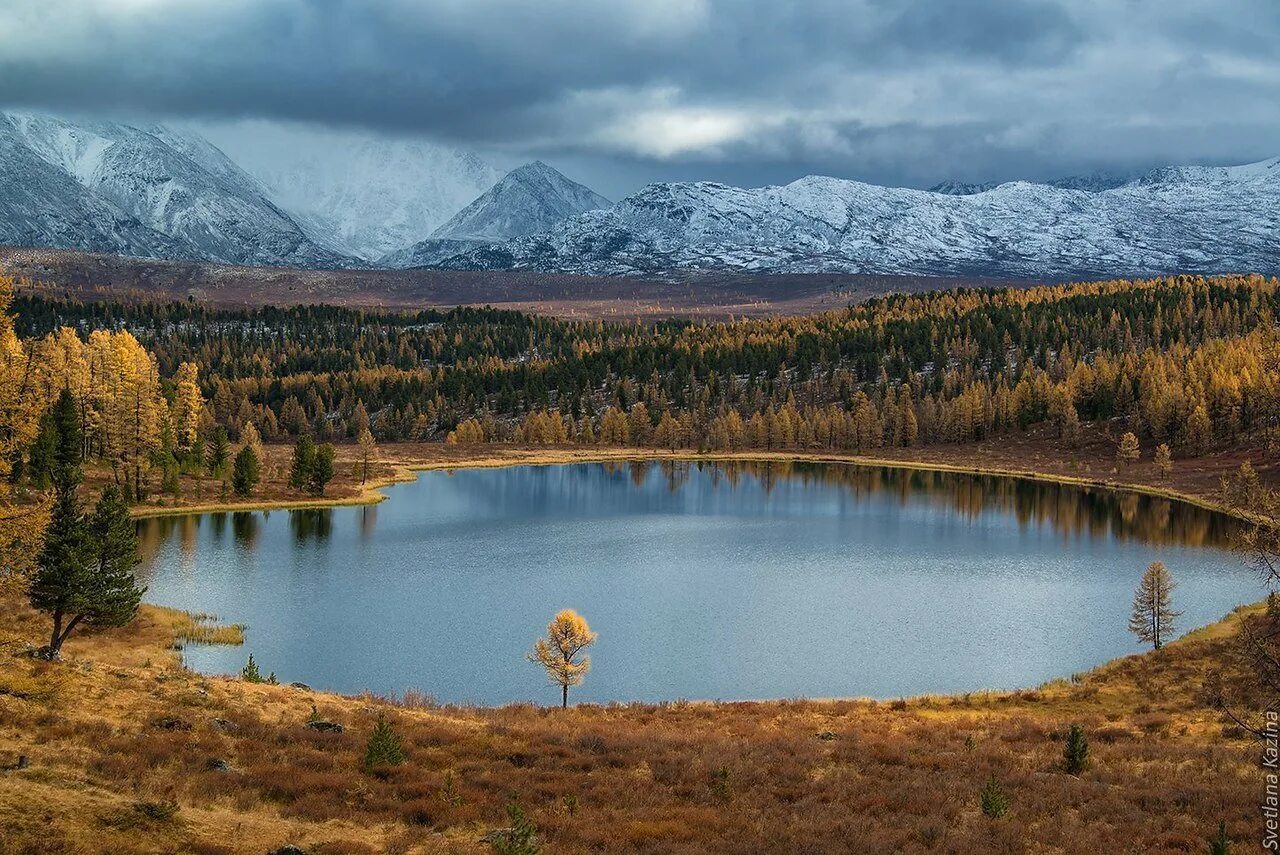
<point x="129" y="752"/>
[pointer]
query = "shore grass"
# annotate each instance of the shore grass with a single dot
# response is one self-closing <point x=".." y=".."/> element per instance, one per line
<point x="199" y="627"/>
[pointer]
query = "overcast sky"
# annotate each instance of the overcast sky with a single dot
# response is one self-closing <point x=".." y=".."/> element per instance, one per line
<point x="621" y="92"/>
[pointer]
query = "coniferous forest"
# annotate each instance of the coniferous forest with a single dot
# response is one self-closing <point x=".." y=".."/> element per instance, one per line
<point x="1182" y="360"/>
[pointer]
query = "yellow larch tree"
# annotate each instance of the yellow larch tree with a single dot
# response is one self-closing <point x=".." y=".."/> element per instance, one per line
<point x="188" y="405"/>
<point x="560" y="653"/>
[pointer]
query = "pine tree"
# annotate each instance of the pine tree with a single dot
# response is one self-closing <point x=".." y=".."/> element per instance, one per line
<point x="115" y="541"/>
<point x="304" y="461"/>
<point x="321" y="469"/>
<point x="384" y="747"/>
<point x="521" y="837"/>
<point x="1164" y="461"/>
<point x="85" y="570"/>
<point x="1153" y="614"/>
<point x="40" y="457"/>
<point x="217" y="453"/>
<point x="993" y="800"/>
<point x="246" y="471"/>
<point x="1075" y="753"/>
<point x="250" y="673"/>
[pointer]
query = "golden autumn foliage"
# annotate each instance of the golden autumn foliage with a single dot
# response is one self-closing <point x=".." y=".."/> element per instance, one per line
<point x="561" y="651"/>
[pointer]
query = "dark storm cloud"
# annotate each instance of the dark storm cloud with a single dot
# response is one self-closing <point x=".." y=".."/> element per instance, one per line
<point x="885" y="90"/>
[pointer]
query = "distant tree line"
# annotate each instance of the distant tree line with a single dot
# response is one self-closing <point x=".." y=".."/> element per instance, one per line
<point x="1188" y="362"/>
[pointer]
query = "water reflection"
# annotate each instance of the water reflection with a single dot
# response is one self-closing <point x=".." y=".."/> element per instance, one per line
<point x="1070" y="510"/>
<point x="311" y="525"/>
<point x="686" y="568"/>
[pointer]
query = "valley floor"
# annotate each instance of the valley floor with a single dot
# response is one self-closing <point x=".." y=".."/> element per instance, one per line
<point x="129" y="752"/>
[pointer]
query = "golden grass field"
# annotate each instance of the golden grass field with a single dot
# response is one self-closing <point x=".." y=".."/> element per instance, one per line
<point x="129" y="752"/>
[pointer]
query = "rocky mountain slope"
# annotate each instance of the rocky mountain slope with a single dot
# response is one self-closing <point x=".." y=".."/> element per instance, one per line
<point x="153" y="193"/>
<point x="528" y="200"/>
<point x="1202" y="219"/>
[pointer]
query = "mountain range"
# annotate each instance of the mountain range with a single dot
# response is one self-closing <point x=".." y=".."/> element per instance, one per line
<point x="1193" y="219"/>
<point x="168" y="192"/>
<point x="139" y="191"/>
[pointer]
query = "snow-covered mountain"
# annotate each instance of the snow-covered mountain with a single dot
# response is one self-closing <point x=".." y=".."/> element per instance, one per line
<point x="528" y="200"/>
<point x="1094" y="182"/>
<point x="117" y="188"/>
<point x="361" y="195"/>
<point x="1175" y="219"/>
<point x="963" y="188"/>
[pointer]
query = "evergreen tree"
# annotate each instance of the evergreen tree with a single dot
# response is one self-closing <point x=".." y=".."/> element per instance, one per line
<point x="115" y="542"/>
<point x="321" y="469"/>
<point x="1153" y="614"/>
<point x="1075" y="753"/>
<point x="85" y="570"/>
<point x="246" y="471"/>
<point x="217" y="453"/>
<point x="43" y="450"/>
<point x="521" y="837"/>
<point x="384" y="747"/>
<point x="993" y="800"/>
<point x="67" y="451"/>
<point x="250" y="673"/>
<point x="304" y="461"/>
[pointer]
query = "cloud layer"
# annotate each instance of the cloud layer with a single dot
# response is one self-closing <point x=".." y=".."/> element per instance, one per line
<point x="906" y="91"/>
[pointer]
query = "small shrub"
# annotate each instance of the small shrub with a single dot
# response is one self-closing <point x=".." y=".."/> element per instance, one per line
<point x="1220" y="844"/>
<point x="1075" y="754"/>
<point x="384" y="747"/>
<point x="250" y="673"/>
<point x="995" y="803"/>
<point x="520" y="838"/>
<point x="720" y="784"/>
<point x="158" y="811"/>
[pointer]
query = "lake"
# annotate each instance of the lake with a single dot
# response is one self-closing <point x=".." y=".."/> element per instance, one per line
<point x="708" y="581"/>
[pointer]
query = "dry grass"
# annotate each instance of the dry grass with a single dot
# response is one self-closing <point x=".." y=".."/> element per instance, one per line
<point x="122" y="761"/>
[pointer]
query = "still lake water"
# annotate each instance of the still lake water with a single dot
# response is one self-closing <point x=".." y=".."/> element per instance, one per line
<point x="703" y="580"/>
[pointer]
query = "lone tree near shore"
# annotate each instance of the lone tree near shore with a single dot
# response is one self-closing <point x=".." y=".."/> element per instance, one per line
<point x="84" y="573"/>
<point x="567" y="636"/>
<point x="1153" y="614"/>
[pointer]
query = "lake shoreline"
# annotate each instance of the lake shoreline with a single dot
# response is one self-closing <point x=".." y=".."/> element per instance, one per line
<point x="490" y="457"/>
